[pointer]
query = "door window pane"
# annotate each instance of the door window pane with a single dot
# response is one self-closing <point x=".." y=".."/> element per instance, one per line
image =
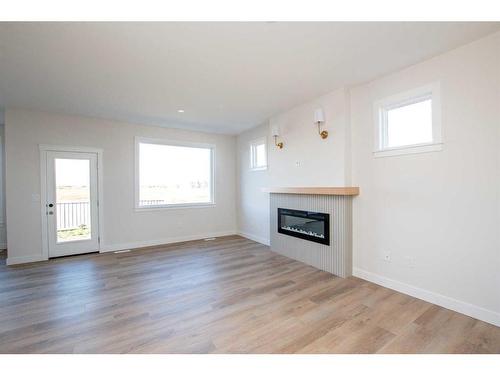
<point x="72" y="199"/>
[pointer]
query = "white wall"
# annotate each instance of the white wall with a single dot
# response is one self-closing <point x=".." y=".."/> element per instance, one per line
<point x="3" y="232"/>
<point x="253" y="204"/>
<point x="442" y="208"/>
<point x="438" y="214"/>
<point x="305" y="160"/>
<point x="322" y="162"/>
<point x="123" y="226"/>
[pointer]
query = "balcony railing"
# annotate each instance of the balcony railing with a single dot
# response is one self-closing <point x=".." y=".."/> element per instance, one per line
<point x="71" y="215"/>
<point x="151" y="202"/>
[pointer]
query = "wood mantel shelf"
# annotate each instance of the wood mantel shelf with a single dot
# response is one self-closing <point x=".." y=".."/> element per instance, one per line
<point x="348" y="190"/>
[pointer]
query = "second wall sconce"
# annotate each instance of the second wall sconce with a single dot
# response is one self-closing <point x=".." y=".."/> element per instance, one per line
<point x="276" y="133"/>
<point x="319" y="119"/>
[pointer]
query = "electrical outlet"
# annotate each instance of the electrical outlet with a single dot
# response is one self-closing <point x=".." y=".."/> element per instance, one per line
<point x="297" y="163"/>
<point x="386" y="256"/>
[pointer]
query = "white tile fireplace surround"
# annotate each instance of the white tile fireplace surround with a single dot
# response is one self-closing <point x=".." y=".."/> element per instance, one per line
<point x="314" y="226"/>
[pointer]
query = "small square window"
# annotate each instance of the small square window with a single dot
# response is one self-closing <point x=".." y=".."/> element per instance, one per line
<point x="409" y="122"/>
<point x="258" y="154"/>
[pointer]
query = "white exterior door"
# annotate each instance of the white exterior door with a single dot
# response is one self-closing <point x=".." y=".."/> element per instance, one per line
<point x="72" y="203"/>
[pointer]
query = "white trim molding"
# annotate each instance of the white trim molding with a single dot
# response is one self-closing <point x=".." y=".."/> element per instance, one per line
<point x="129" y="246"/>
<point x="27" y="259"/>
<point x="381" y="107"/>
<point x="164" y="241"/>
<point x="462" y="307"/>
<point x="44" y="148"/>
<point x="409" y="150"/>
<point x="253" y="237"/>
<point x="166" y="142"/>
<point x="253" y="154"/>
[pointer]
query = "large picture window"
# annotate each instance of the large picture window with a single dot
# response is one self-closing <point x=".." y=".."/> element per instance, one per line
<point x="173" y="174"/>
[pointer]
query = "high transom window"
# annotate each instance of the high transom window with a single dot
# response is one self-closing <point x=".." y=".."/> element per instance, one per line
<point x="258" y="154"/>
<point x="408" y="122"/>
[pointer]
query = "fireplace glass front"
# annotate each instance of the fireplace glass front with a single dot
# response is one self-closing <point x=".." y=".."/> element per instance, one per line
<point x="311" y="226"/>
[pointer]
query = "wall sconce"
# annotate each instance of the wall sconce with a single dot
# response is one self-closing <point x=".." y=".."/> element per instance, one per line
<point x="319" y="118"/>
<point x="276" y="133"/>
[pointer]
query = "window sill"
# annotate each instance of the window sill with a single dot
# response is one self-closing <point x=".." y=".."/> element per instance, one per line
<point x="408" y="150"/>
<point x="174" y="207"/>
<point x="258" y="169"/>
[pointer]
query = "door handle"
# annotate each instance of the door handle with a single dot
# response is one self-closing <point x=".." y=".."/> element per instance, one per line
<point x="51" y="204"/>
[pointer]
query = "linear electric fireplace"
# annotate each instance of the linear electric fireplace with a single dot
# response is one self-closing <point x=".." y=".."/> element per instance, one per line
<point x="311" y="226"/>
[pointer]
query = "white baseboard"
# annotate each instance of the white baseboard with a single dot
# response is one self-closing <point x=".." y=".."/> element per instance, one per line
<point x="126" y="246"/>
<point x="462" y="307"/>
<point x="164" y="241"/>
<point x="27" y="259"/>
<point x="262" y="240"/>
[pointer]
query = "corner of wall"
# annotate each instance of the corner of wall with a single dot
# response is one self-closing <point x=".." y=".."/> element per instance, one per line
<point x="348" y="139"/>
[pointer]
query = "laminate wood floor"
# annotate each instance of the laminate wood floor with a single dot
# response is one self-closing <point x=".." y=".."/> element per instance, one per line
<point x="230" y="295"/>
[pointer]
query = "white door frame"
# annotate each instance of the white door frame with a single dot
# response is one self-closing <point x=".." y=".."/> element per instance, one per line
<point x="43" y="189"/>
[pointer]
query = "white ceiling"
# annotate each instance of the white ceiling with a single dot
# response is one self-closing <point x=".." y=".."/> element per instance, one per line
<point x="226" y="76"/>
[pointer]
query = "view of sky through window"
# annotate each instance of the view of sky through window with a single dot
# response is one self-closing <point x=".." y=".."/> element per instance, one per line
<point x="410" y="124"/>
<point x="174" y="174"/>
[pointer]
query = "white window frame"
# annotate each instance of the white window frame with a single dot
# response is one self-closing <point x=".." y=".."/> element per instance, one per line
<point x="43" y="149"/>
<point x="381" y="107"/>
<point x="253" y="145"/>
<point x="166" y="142"/>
